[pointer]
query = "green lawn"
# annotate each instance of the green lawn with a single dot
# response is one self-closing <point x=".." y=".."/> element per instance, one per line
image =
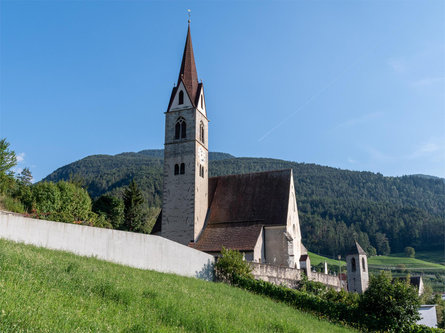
<point x="437" y="257"/>
<point x="381" y="262"/>
<point x="433" y="273"/>
<point x="51" y="291"/>
<point x="316" y="259"/>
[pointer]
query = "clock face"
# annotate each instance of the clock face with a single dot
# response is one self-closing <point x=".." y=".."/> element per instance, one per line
<point x="201" y="155"/>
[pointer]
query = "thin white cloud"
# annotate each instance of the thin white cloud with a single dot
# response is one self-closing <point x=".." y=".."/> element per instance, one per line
<point x="20" y="157"/>
<point x="360" y="120"/>
<point x="351" y="160"/>
<point x="434" y="148"/>
<point x="397" y="65"/>
<point x="428" y="81"/>
<point x="378" y="155"/>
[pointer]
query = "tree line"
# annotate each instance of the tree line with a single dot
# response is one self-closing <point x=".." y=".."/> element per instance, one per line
<point x="385" y="214"/>
<point x="67" y="200"/>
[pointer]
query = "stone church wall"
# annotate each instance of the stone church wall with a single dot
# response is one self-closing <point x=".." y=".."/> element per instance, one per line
<point x="126" y="248"/>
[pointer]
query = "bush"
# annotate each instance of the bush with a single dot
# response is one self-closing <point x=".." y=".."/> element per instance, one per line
<point x="334" y="311"/>
<point x="410" y="252"/>
<point x="389" y="306"/>
<point x="231" y="263"/>
<point x="11" y="204"/>
<point x="112" y="208"/>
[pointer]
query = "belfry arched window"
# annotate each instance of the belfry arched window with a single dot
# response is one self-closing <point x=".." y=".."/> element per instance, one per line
<point x="353" y="265"/>
<point x="363" y="264"/>
<point x="182" y="169"/>
<point x="201" y="132"/>
<point x="181" y="98"/>
<point x="180" y="129"/>
<point x="202" y="102"/>
<point x="176" y="169"/>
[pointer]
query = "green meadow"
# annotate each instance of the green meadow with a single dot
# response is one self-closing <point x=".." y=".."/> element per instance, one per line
<point x="412" y="264"/>
<point x="316" y="259"/>
<point x="52" y="291"/>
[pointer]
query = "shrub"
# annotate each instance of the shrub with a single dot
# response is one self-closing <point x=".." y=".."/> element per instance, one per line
<point x="11" y="204"/>
<point x="112" y="208"/>
<point x="389" y="306"/>
<point x="335" y="311"/>
<point x="231" y="263"/>
<point x="410" y="252"/>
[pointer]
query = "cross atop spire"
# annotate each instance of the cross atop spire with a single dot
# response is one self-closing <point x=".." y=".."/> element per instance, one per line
<point x="188" y="73"/>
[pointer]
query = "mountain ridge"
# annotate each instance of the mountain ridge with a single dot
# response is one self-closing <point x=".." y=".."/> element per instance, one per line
<point x="335" y="205"/>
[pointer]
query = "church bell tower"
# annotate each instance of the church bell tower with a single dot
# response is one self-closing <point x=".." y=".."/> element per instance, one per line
<point x="357" y="267"/>
<point x="185" y="191"/>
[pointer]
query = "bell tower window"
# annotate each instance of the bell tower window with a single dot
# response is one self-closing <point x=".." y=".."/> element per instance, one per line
<point x="353" y="266"/>
<point x="176" y="169"/>
<point x="201" y="132"/>
<point x="180" y="129"/>
<point x="181" y="98"/>
<point x="182" y="169"/>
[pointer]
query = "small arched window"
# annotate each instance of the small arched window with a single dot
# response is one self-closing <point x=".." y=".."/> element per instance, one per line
<point x="183" y="130"/>
<point x="181" y="98"/>
<point x="202" y="102"/>
<point x="176" y="169"/>
<point x="182" y="168"/>
<point x="201" y="132"/>
<point x="353" y="264"/>
<point x="180" y="128"/>
<point x="363" y="264"/>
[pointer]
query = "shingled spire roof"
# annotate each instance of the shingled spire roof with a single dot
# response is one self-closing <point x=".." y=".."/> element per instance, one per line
<point x="356" y="249"/>
<point x="188" y="74"/>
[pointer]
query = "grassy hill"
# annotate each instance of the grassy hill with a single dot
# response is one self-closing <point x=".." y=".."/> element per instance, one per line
<point x="317" y="259"/>
<point x="51" y="291"/>
<point x="412" y="264"/>
<point x="336" y="206"/>
<point x="428" y="264"/>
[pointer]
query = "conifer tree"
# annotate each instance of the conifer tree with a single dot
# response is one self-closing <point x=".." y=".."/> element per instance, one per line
<point x="134" y="216"/>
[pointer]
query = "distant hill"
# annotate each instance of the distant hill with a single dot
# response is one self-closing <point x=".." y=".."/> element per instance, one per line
<point x="385" y="214"/>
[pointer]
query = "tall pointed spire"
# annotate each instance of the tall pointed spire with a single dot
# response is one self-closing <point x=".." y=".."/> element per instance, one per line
<point x="188" y="73"/>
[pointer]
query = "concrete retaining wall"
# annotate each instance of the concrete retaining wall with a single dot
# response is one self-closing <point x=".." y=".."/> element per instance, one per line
<point x="126" y="248"/>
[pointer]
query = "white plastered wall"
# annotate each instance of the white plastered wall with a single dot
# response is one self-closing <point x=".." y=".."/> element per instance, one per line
<point x="175" y="104"/>
<point x="293" y="225"/>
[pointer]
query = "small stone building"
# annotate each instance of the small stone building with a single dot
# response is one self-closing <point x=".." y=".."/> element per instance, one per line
<point x="415" y="281"/>
<point x="357" y="267"/>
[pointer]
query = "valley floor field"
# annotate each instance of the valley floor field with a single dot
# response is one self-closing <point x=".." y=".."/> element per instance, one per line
<point x="426" y="263"/>
<point x="50" y="291"/>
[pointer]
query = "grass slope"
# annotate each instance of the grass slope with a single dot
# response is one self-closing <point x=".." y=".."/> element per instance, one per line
<point x="316" y="259"/>
<point x="437" y="257"/>
<point x="410" y="263"/>
<point x="432" y="272"/>
<point x="51" y="291"/>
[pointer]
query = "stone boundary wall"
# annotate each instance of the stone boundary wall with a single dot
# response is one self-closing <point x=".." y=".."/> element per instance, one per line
<point x="277" y="275"/>
<point x="126" y="248"/>
<point x="290" y="276"/>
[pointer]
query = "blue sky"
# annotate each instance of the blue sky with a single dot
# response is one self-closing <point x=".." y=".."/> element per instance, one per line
<point x="357" y="85"/>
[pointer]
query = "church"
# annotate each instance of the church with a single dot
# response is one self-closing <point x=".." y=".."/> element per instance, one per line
<point x="254" y="213"/>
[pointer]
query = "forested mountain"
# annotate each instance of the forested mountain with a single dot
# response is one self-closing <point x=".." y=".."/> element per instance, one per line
<point x="384" y="213"/>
